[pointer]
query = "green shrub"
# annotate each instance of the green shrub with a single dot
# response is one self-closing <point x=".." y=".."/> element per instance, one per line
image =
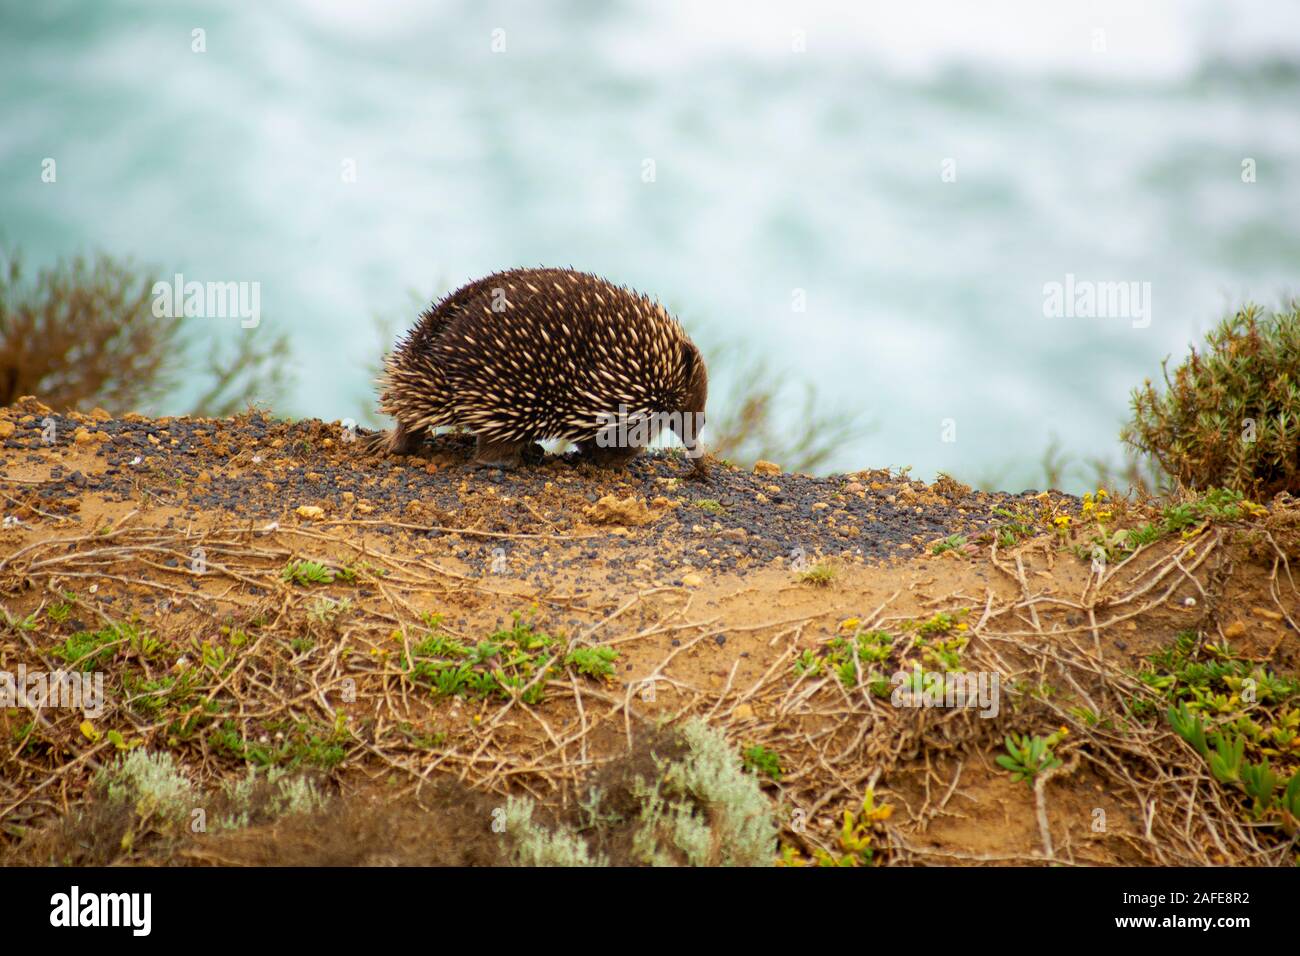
<point x="82" y="332"/>
<point x="535" y="845"/>
<point x="270" y="794"/>
<point x="152" y="782"/>
<point x="705" y="810"/>
<point x="1229" y="417"/>
<point x="700" y="808"/>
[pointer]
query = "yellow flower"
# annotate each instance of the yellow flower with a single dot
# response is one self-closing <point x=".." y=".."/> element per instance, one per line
<point x="849" y="623"/>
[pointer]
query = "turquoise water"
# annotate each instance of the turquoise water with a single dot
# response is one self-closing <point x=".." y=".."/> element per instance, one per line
<point x="779" y="176"/>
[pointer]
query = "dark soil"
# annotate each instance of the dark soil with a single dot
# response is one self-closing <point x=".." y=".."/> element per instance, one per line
<point x="263" y="470"/>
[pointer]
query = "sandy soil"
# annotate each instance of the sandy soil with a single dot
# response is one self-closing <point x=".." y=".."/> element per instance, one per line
<point x="710" y="592"/>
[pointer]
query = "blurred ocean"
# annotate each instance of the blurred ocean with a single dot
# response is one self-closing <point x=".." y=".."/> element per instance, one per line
<point x="1100" y="140"/>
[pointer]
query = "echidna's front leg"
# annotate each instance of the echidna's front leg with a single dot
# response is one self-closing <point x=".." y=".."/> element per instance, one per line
<point x="498" y="454"/>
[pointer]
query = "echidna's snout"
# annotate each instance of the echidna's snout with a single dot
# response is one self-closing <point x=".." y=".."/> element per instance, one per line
<point x="687" y="426"/>
<point x="688" y="421"/>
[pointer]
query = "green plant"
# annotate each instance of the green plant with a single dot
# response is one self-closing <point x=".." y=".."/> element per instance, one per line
<point x="152" y="696"/>
<point x="91" y="650"/>
<point x="1014" y="526"/>
<point x="1225" y="759"/>
<point x="951" y="543"/>
<point x="1027" y="756"/>
<point x="808" y="663"/>
<point x="307" y="573"/>
<point x="420" y="739"/>
<point x="848" y="654"/>
<point x="704" y="809"/>
<point x="1259" y="782"/>
<point x="855" y="842"/>
<point x="1230" y="415"/>
<point x="296" y="744"/>
<point x="820" y="575"/>
<point x="1290" y="805"/>
<point x="1216" y="685"/>
<point x="1190" y="727"/>
<point x="700" y="808"/>
<point x="27" y="623"/>
<point x="1089" y="716"/>
<point x="941" y="639"/>
<point x="855" y="655"/>
<point x="517" y="660"/>
<point x="856" y="836"/>
<point x="1230" y="710"/>
<point x="940" y="623"/>
<point x="325" y="610"/>
<point x="592" y="661"/>
<point x="531" y="844"/>
<point x="758" y="759"/>
<point x="270" y="793"/>
<point x="153" y="783"/>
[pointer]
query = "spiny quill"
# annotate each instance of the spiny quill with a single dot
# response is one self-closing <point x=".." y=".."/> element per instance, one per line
<point x="533" y="354"/>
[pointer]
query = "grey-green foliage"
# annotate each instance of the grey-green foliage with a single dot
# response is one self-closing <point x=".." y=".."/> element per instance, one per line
<point x="153" y="782"/>
<point x="157" y="786"/>
<point x="533" y="845"/>
<point x="701" y="809"/>
<point x="706" y="808"/>
<point x="285" y="795"/>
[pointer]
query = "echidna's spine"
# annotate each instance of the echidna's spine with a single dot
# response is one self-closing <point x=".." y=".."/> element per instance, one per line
<point x="541" y="353"/>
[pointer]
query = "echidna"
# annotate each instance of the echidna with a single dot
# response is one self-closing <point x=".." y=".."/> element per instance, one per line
<point x="533" y="354"/>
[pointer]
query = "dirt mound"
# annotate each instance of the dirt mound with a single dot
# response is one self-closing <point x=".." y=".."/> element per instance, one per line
<point x="434" y="626"/>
